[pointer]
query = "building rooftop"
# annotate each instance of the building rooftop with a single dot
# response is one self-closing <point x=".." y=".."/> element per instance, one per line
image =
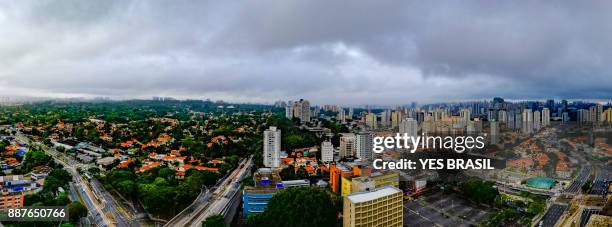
<point x="361" y="197"/>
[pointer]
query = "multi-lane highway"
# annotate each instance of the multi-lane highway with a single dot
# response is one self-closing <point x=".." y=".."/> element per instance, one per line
<point x="601" y="182"/>
<point x="552" y="215"/>
<point x="99" y="217"/>
<point x="582" y="178"/>
<point x="224" y="194"/>
<point x="215" y="200"/>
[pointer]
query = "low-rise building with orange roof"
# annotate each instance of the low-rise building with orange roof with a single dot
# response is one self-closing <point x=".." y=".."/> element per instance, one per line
<point x="542" y="160"/>
<point x="215" y="161"/>
<point x="204" y="168"/>
<point x="124" y="164"/>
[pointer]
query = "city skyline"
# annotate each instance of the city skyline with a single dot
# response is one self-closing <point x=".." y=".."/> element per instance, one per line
<point x="348" y="54"/>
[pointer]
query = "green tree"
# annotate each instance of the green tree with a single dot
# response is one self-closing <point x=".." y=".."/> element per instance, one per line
<point x="536" y="207"/>
<point x="288" y="173"/>
<point x="166" y="173"/>
<point x="480" y="191"/>
<point x="76" y="210"/>
<point x="301" y="173"/>
<point x="214" y="221"/>
<point x="301" y="206"/>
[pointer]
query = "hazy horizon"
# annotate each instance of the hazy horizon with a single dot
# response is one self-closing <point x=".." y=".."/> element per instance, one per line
<point x="384" y="52"/>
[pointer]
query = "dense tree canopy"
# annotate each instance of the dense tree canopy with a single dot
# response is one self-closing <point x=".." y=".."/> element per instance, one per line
<point x="300" y="206"/>
<point x="76" y="210"/>
<point x="214" y="221"/>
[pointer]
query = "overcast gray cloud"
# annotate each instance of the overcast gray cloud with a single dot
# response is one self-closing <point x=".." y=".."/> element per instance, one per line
<point x="351" y="52"/>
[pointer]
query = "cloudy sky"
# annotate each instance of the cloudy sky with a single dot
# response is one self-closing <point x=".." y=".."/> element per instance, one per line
<point x="342" y="52"/>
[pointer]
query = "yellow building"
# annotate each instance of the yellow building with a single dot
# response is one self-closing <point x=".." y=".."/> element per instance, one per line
<point x="362" y="184"/>
<point x="607" y="115"/>
<point x="381" y="207"/>
<point x="370" y="120"/>
<point x="346" y="184"/>
<point x="389" y="178"/>
<point x="378" y="179"/>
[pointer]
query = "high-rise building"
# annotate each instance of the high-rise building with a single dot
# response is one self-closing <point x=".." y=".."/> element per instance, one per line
<point x="550" y="104"/>
<point x="546" y="117"/>
<point x="518" y="121"/>
<point x="409" y="126"/>
<point x="565" y="117"/>
<point x="363" y="145"/>
<point x="370" y="120"/>
<point x="465" y="115"/>
<point x="301" y="110"/>
<point x="494" y="132"/>
<point x="510" y="121"/>
<point x="607" y="116"/>
<point x="341" y="116"/>
<point x="564" y="105"/>
<point x="420" y="116"/>
<point x="470" y="128"/>
<point x="327" y="151"/>
<point x="527" y="121"/>
<point x="583" y="116"/>
<point x="385" y="118"/>
<point x="272" y="147"/>
<point x="289" y="110"/>
<point x="492" y="115"/>
<point x="350" y="113"/>
<point x="597" y="113"/>
<point x="347" y="145"/>
<point x="537" y="122"/>
<point x="502" y="116"/>
<point x="381" y="207"/>
<point x="396" y="117"/>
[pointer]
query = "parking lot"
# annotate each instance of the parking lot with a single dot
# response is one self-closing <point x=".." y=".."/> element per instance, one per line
<point x="439" y="209"/>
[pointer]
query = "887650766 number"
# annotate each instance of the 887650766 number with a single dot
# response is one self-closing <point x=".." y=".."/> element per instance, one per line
<point x="47" y="213"/>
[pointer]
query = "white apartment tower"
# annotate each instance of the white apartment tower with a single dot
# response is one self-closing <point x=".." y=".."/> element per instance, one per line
<point x="502" y="116"/>
<point x="537" y="122"/>
<point x="545" y="117"/>
<point x="327" y="151"/>
<point x="494" y="132"/>
<point x="341" y="116"/>
<point x="465" y="115"/>
<point x="289" y="110"/>
<point x="363" y="146"/>
<point x="409" y="126"/>
<point x="272" y="147"/>
<point x="527" y="120"/>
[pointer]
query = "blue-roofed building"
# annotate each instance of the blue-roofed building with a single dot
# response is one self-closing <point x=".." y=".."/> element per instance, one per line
<point x="20" y="152"/>
<point x="267" y="181"/>
<point x="255" y="201"/>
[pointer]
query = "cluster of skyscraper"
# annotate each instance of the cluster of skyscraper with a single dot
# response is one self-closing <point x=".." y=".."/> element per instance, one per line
<point x="356" y="145"/>
<point x="299" y="109"/>
<point x="452" y="119"/>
